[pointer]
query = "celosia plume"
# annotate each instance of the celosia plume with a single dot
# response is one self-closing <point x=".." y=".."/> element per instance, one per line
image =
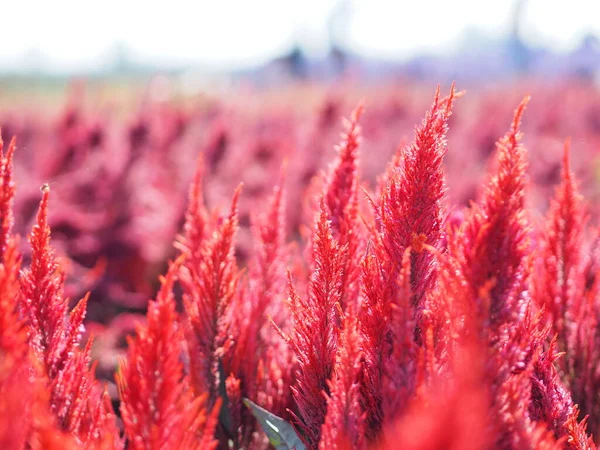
<point x="54" y="336"/>
<point x="560" y="286"/>
<point x="157" y="404"/>
<point x="341" y="200"/>
<point x="208" y="292"/>
<point x="42" y="289"/>
<point x="266" y="286"/>
<point x="344" y="423"/>
<point x="400" y="368"/>
<point x="495" y="235"/>
<point x="410" y="209"/>
<point x="196" y="219"/>
<point x="410" y="215"/>
<point x="261" y="365"/>
<point x="493" y="245"/>
<point x="314" y="338"/>
<point x="494" y="258"/>
<point x="17" y="391"/>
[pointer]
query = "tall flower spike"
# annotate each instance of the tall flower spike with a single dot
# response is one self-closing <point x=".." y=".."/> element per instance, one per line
<point x="267" y="273"/>
<point x="410" y="208"/>
<point x="209" y="288"/>
<point x="561" y="290"/>
<point x="344" y="424"/>
<point x="493" y="253"/>
<point x="315" y="332"/>
<point x="387" y="332"/>
<point x="13" y="337"/>
<point x="17" y="394"/>
<point x="494" y="238"/>
<point x="560" y="287"/>
<point x="257" y="348"/>
<point x="156" y="404"/>
<point x="42" y="289"/>
<point x="341" y="199"/>
<point x="196" y="219"/>
<point x="54" y="337"/>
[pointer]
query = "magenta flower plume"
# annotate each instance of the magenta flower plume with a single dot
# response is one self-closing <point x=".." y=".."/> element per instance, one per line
<point x="157" y="404"/>
<point x="314" y="338"/>
<point x="560" y="287"/>
<point x="341" y="199"/>
<point x="196" y="220"/>
<point x="410" y="209"/>
<point x="76" y="398"/>
<point x="209" y="288"/>
<point x="17" y="391"/>
<point x="561" y="290"/>
<point x="344" y="423"/>
<point x="263" y="360"/>
<point x="495" y="237"/>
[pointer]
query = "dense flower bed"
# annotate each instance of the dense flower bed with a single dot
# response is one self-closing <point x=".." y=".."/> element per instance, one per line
<point x="396" y="297"/>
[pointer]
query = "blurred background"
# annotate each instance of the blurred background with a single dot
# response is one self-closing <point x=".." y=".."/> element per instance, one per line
<point x="203" y="45"/>
<point x="113" y="102"/>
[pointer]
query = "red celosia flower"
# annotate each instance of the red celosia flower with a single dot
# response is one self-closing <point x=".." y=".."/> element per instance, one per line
<point x="410" y="214"/>
<point x="494" y="237"/>
<point x="584" y="379"/>
<point x="52" y="340"/>
<point x="560" y="286"/>
<point x="493" y="245"/>
<point x="267" y="274"/>
<point x="341" y="199"/>
<point x="512" y="425"/>
<point x="17" y="391"/>
<point x="344" y="423"/>
<point x="410" y="209"/>
<point x="209" y="288"/>
<point x="261" y="361"/>
<point x="561" y="290"/>
<point x="266" y="285"/>
<point x="157" y="405"/>
<point x="315" y="331"/>
<point x="54" y="337"/>
<point x="491" y="249"/>
<point x="196" y="219"/>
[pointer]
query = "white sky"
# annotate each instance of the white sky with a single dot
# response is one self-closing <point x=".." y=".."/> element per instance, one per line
<point x="78" y="34"/>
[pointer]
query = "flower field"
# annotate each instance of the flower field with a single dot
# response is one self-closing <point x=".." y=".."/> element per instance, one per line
<point x="253" y="272"/>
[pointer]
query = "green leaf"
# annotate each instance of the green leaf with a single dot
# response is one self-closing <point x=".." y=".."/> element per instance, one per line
<point x="281" y="434"/>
